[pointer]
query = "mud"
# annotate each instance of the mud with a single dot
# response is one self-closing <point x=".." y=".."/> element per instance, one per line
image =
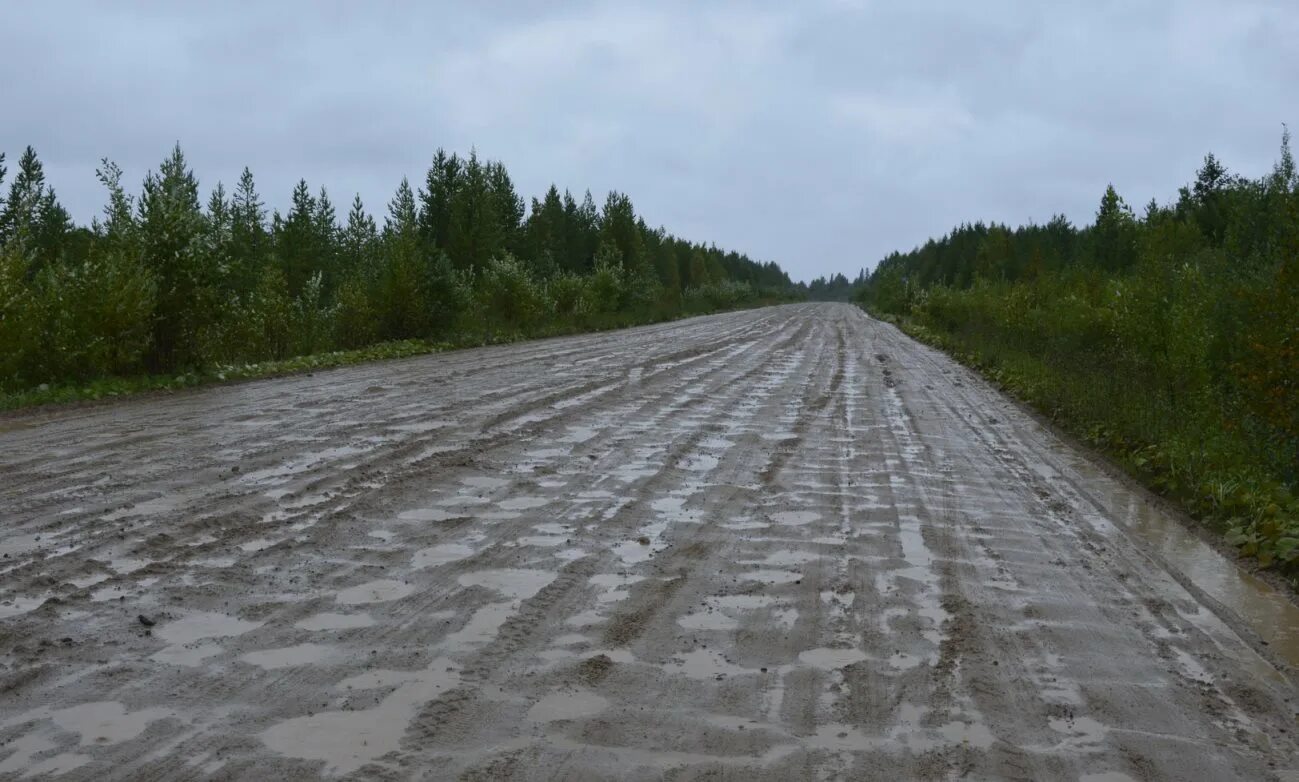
<point x="780" y="544"/>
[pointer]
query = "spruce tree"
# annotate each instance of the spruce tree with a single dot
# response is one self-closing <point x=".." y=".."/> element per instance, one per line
<point x="248" y="237"/>
<point x="295" y="239"/>
<point x="476" y="232"/>
<point x="436" y="197"/>
<point x="359" y="240"/>
<point x="171" y="225"/>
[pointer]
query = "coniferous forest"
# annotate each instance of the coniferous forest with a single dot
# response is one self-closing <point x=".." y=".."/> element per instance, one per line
<point x="167" y="282"/>
<point x="1169" y="338"/>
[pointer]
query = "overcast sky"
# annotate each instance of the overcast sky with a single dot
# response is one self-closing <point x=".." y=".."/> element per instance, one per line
<point x="819" y="134"/>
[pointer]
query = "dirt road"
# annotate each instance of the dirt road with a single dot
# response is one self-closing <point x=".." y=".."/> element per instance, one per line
<point x="780" y="544"/>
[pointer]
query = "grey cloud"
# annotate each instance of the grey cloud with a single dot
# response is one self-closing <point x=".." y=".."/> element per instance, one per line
<point x="821" y="135"/>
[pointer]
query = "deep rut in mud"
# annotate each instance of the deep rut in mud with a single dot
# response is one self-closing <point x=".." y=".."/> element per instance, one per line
<point x="778" y="544"/>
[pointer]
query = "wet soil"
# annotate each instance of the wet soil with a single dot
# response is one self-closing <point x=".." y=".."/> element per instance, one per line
<point x="780" y="544"/>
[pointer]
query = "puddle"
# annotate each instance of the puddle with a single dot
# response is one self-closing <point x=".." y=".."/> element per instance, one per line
<point x="541" y="541"/>
<point x="708" y="620"/>
<point x="188" y="655"/>
<point x="772" y="576"/>
<point x="566" y="706"/>
<point x="257" y="545"/>
<point x="794" y="518"/>
<point x="484" y="482"/>
<point x="17" y="606"/>
<point x="481" y="627"/>
<point x="194" y="627"/>
<point x="335" y="622"/>
<point x="570" y="554"/>
<point x="88" y="581"/>
<point x="347" y="740"/>
<point x="700" y="462"/>
<point x="579" y="434"/>
<point x="522" y="503"/>
<point x="216" y="562"/>
<point x="706" y="664"/>
<point x="380" y="591"/>
<point x="746" y="525"/>
<point x="514" y="583"/>
<point x="831" y="659"/>
<point x="789" y="558"/>
<point x="106" y="722"/>
<point x="440" y="555"/>
<point x="128" y="565"/>
<point x="1080" y="732"/>
<point x="463" y="500"/>
<point x="428" y="514"/>
<point x="614" y="586"/>
<point x="302" y="654"/>
<point x="1267" y="612"/>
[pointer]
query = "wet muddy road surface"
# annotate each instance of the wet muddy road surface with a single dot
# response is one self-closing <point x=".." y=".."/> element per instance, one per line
<point x="780" y="544"/>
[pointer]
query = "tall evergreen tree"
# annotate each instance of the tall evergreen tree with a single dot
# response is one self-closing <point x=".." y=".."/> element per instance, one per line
<point x="476" y="231"/>
<point x="33" y="220"/>
<point x="507" y="207"/>
<point x="359" y="240"/>
<point x="249" y="241"/>
<point x="325" y="238"/>
<point x="172" y="225"/>
<point x="295" y="239"/>
<point x="436" y="197"/>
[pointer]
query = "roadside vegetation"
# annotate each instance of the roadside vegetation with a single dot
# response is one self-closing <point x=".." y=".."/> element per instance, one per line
<point x="163" y="290"/>
<point x="1168" y="339"/>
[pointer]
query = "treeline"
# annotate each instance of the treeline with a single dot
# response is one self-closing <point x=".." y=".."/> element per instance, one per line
<point x="836" y="287"/>
<point x="1169" y="338"/>
<point x="163" y="282"/>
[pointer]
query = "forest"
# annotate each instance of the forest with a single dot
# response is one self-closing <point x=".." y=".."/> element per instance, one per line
<point x="164" y="283"/>
<point x="1169" y="339"/>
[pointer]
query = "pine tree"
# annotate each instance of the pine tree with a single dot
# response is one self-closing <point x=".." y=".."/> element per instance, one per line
<point x="1114" y="232"/>
<point x="33" y="222"/>
<point x="249" y="241"/>
<point x="325" y="240"/>
<point x="544" y="232"/>
<point x="218" y="210"/>
<point x="401" y="286"/>
<point x="172" y="225"/>
<point x="295" y="239"/>
<point x="476" y="229"/>
<point x="507" y="208"/>
<point x="618" y="226"/>
<point x="359" y="240"/>
<point x="119" y="225"/>
<point x="440" y="186"/>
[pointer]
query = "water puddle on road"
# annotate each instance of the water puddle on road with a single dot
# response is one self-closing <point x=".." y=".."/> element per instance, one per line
<point x="566" y="706"/>
<point x="380" y="591"/>
<point x="336" y="622"/>
<point x="16" y="606"/>
<point x="831" y="659"/>
<point x="289" y="656"/>
<point x="347" y="740"/>
<point x="185" y="634"/>
<point x="440" y="555"/>
<point x="1266" y="611"/>
<point x="795" y="518"/>
<point x="428" y="514"/>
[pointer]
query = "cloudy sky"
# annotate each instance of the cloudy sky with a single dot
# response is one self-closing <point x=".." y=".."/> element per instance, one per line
<point x="820" y="134"/>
